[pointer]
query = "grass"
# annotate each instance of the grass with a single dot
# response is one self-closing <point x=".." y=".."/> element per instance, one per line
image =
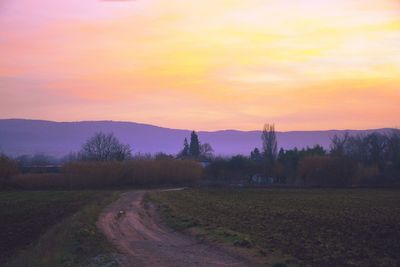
<point x="53" y="228"/>
<point x="315" y="227"/>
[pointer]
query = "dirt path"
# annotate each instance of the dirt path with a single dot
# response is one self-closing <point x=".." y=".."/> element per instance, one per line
<point x="144" y="241"/>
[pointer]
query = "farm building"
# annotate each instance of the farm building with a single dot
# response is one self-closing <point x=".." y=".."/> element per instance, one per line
<point x="261" y="180"/>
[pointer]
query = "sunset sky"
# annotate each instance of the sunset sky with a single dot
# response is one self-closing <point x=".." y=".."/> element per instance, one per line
<point x="203" y="64"/>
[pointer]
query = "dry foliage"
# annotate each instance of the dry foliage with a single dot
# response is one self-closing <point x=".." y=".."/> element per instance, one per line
<point x="327" y="171"/>
<point x="8" y="168"/>
<point x="115" y="174"/>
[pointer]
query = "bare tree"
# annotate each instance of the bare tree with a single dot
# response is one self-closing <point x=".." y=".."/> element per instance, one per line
<point x="103" y="147"/>
<point x="339" y="144"/>
<point x="206" y="151"/>
<point x="369" y="148"/>
<point x="270" y="147"/>
<point x="393" y="148"/>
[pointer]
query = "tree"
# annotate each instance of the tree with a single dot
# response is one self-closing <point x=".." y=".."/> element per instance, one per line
<point x="185" y="151"/>
<point x="104" y="147"/>
<point x="206" y="151"/>
<point x="162" y="156"/>
<point x="255" y="155"/>
<point x="376" y="146"/>
<point x="370" y="149"/>
<point x="270" y="147"/>
<point x="36" y="160"/>
<point x="42" y="160"/>
<point x="194" y="147"/>
<point x="316" y="150"/>
<point x="338" y="144"/>
<point x="393" y="148"/>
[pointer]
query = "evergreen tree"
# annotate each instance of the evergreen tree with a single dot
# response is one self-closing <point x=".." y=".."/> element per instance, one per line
<point x="185" y="150"/>
<point x="255" y="155"/>
<point x="194" y="147"/>
<point x="281" y="155"/>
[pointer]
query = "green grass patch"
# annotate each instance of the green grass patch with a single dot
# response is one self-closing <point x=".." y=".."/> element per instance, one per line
<point x="317" y="227"/>
<point x="54" y="228"/>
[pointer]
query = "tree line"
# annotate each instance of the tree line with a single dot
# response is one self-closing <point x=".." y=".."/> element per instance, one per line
<point x="352" y="160"/>
<point x="371" y="159"/>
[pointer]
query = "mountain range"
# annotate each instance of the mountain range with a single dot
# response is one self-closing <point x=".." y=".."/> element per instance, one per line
<point x="20" y="136"/>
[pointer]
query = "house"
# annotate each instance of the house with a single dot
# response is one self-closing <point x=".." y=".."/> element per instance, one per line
<point x="261" y="180"/>
<point x="204" y="164"/>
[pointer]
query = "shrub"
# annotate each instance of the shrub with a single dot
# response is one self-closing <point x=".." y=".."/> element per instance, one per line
<point x="230" y="169"/>
<point x="102" y="174"/>
<point x="327" y="171"/>
<point x="366" y="175"/>
<point x="133" y="172"/>
<point x="8" y="168"/>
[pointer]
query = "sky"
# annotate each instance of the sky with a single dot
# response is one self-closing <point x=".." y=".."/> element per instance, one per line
<point x="204" y="65"/>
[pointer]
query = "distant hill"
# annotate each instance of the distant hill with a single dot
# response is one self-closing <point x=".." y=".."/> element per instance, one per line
<point x="19" y="136"/>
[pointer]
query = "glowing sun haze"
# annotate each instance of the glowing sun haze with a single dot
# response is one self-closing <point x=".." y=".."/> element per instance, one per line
<point x="209" y="64"/>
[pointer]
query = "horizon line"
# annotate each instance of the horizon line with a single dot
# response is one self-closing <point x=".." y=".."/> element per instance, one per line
<point x="204" y="131"/>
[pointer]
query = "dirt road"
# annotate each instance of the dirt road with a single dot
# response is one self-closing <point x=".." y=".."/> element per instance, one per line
<point x="143" y="240"/>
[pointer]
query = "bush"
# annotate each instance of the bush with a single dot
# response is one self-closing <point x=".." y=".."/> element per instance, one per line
<point x="8" y="168"/>
<point x="367" y="175"/>
<point x="230" y="169"/>
<point x="92" y="174"/>
<point x="327" y="171"/>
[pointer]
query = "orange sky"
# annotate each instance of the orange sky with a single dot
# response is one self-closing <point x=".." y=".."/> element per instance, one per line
<point x="205" y="65"/>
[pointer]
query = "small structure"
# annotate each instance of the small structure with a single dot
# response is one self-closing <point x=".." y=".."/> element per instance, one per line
<point x="204" y="164"/>
<point x="261" y="180"/>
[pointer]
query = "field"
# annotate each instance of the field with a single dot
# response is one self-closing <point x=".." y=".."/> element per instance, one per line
<point x="33" y="224"/>
<point x="315" y="227"/>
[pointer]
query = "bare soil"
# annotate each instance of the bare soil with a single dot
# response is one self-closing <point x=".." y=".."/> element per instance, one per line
<point x="310" y="227"/>
<point x="137" y="231"/>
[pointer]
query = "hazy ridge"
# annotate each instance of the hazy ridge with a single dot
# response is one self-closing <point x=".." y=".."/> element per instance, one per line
<point x="20" y="136"/>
